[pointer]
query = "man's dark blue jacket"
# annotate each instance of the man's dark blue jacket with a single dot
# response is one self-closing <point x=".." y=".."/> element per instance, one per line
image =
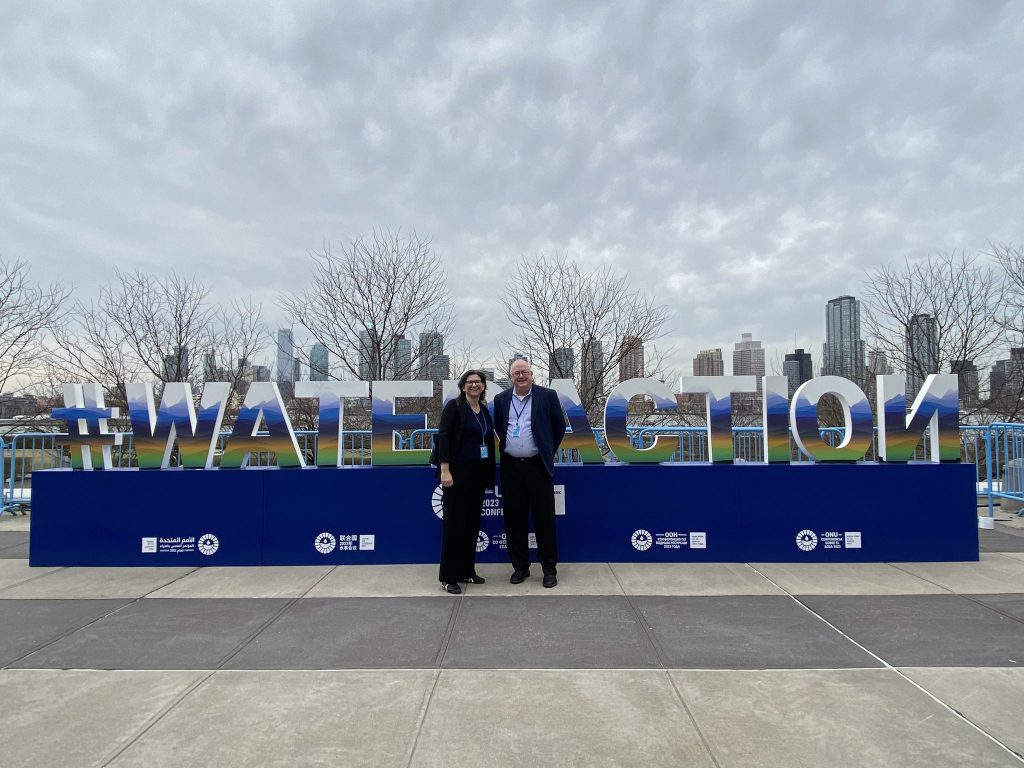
<point x="546" y="420"/>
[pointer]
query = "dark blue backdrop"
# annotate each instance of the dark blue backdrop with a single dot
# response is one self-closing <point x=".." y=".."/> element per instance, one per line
<point x="613" y="513"/>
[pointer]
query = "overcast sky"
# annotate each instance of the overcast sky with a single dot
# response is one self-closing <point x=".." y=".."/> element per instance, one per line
<point x="744" y="162"/>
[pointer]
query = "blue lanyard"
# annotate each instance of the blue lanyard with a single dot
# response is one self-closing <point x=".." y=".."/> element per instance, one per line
<point x="519" y="413"/>
<point x="481" y="421"/>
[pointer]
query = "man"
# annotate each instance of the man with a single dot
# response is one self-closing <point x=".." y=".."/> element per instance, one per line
<point x="530" y="424"/>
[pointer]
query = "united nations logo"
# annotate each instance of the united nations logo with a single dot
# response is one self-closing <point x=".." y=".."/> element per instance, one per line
<point x="482" y="540"/>
<point x="208" y="544"/>
<point x="807" y="540"/>
<point x="437" y="503"/>
<point x="325" y="543"/>
<point x="641" y="540"/>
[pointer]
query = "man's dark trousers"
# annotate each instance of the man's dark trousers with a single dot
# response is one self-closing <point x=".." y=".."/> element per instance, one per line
<point x="525" y="486"/>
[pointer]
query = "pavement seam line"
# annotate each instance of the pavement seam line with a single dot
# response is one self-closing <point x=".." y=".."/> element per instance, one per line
<point x="259" y="630"/>
<point x="172" y="581"/>
<point x="902" y="675"/>
<point x="423" y="716"/>
<point x="32" y="578"/>
<point x="638" y="616"/>
<point x="145" y="728"/>
<point x="974" y="599"/>
<point x="925" y="579"/>
<point x="316" y="583"/>
<point x="693" y="719"/>
<point x="72" y="630"/>
<point x="449" y="631"/>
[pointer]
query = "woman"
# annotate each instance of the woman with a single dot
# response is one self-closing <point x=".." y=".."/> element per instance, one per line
<point x="465" y="458"/>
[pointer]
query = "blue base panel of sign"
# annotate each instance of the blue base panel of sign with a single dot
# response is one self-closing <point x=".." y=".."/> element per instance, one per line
<point x="615" y="513"/>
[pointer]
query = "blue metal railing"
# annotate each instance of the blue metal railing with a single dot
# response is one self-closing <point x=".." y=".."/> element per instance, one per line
<point x="996" y="449"/>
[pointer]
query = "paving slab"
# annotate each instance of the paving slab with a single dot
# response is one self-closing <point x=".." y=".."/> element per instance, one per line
<point x="925" y="630"/>
<point x="838" y="718"/>
<point x="352" y="633"/>
<point x="309" y="718"/>
<point x="1009" y="605"/>
<point x="745" y="632"/>
<point x="1000" y="540"/>
<point x="9" y="538"/>
<point x="9" y="522"/>
<point x="95" y="583"/>
<point x="12" y="542"/>
<point x="993" y="573"/>
<point x="380" y="581"/>
<point x="256" y="581"/>
<point x="158" y="634"/>
<point x="79" y="717"/>
<point x="571" y="632"/>
<point x="846" y="579"/>
<point x="15" y="571"/>
<point x="26" y="625"/>
<point x="573" y="579"/>
<point x="15" y="552"/>
<point x="691" y="579"/>
<point x="564" y="718"/>
<point x="992" y="699"/>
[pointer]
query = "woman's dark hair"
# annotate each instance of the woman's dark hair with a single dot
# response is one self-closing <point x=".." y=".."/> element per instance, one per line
<point x="462" y="384"/>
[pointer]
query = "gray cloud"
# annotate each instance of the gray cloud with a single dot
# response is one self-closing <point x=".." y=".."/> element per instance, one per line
<point x="744" y="161"/>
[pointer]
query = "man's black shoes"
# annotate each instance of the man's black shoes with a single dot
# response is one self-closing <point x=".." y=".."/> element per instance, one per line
<point x="518" y="577"/>
<point x="550" y="580"/>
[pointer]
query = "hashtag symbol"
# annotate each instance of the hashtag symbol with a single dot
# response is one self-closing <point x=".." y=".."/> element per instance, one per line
<point x="88" y="440"/>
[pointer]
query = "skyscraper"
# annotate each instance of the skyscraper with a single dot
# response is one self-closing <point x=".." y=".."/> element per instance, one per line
<point x="400" y="366"/>
<point x="562" y="363"/>
<point x="922" y="349"/>
<point x="878" y="363"/>
<point x="967" y="381"/>
<point x="176" y="365"/>
<point x="592" y="364"/>
<point x="431" y="348"/>
<point x="709" y="362"/>
<point x="843" y="351"/>
<point x="631" y="358"/>
<point x="369" y="355"/>
<point x="285" y="357"/>
<point x="1006" y="379"/>
<point x="797" y="368"/>
<point x="748" y="358"/>
<point x="319" y="363"/>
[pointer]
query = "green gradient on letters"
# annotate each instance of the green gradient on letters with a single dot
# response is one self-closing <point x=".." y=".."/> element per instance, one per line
<point x="615" y="412"/>
<point x="936" y="407"/>
<point x="775" y="419"/>
<point x="262" y="400"/>
<point x="858" y="424"/>
<point x="385" y="423"/>
<point x="580" y="437"/>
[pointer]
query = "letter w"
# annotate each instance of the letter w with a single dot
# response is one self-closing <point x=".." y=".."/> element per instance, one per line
<point x="156" y="432"/>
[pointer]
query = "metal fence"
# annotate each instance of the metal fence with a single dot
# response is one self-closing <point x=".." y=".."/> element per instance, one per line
<point x="996" y="449"/>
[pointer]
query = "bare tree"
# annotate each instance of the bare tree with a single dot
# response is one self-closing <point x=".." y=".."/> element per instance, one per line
<point x="941" y="314"/>
<point x="1007" y="392"/>
<point x="27" y="312"/>
<point x="157" y="329"/>
<point x="375" y="304"/>
<point x="560" y="311"/>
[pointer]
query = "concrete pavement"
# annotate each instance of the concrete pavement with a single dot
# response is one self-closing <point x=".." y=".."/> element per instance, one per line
<point x="893" y="664"/>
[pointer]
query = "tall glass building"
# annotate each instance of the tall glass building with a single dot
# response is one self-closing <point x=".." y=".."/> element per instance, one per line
<point x="843" y="351"/>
